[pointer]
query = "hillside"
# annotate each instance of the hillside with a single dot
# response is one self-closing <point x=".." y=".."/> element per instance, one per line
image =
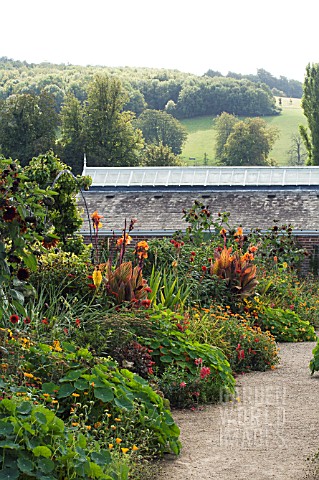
<point x="201" y="134"/>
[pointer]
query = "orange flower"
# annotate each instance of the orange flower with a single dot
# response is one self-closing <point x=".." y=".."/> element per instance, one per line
<point x="143" y="244"/>
<point x="223" y="231"/>
<point x="124" y="450"/>
<point x="239" y="232"/>
<point x="128" y="240"/>
<point x="96" y="220"/>
<point x="141" y="249"/>
<point x="118" y="440"/>
<point x="134" y="448"/>
<point x="253" y="249"/>
<point x="275" y="259"/>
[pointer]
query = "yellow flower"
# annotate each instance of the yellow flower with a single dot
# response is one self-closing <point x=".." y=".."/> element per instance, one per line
<point x="75" y="424"/>
<point x="125" y="450"/>
<point x="97" y="424"/>
<point x="134" y="448"/>
<point x="56" y="346"/>
<point x="117" y="419"/>
<point x="111" y="446"/>
<point x="118" y="440"/>
<point x="75" y="395"/>
<point x="28" y="375"/>
<point x="97" y="277"/>
<point x="88" y="427"/>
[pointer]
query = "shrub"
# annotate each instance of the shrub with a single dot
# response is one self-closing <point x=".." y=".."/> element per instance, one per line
<point x="245" y="345"/>
<point x="285" y="325"/>
<point x="64" y="376"/>
<point x="34" y="442"/>
<point x="314" y="362"/>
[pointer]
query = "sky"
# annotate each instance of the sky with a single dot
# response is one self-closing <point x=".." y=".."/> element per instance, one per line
<point x="241" y="36"/>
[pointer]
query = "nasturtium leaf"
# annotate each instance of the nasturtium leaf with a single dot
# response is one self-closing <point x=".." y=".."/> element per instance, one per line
<point x="42" y="451"/>
<point x="46" y="465"/>
<point x="124" y="402"/>
<point x="104" y="393"/>
<point x="49" y="387"/>
<point x="81" y="384"/>
<point x="9" y="474"/>
<point x="6" y="428"/>
<point x="72" y="375"/>
<point x="66" y="390"/>
<point x="25" y="465"/>
<point x="41" y="418"/>
<point x="9" y="444"/>
<point x="24" y="408"/>
<point x="101" y="458"/>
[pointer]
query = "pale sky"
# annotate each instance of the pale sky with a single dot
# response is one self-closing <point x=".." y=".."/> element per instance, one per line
<point x="280" y="36"/>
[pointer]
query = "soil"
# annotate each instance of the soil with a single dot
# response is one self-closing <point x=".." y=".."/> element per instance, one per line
<point x="270" y="431"/>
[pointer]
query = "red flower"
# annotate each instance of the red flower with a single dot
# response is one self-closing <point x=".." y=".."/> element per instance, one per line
<point x="241" y="355"/>
<point x="204" y="268"/>
<point x="150" y="371"/>
<point x="27" y="320"/>
<point x="78" y="322"/>
<point x="14" y="318"/>
<point x="92" y="286"/>
<point x="182" y="384"/>
<point x="146" y="303"/>
<point x="204" y="372"/>
<point x="193" y="254"/>
<point x="148" y="289"/>
<point x="89" y="277"/>
<point x="66" y="331"/>
<point x="45" y="321"/>
<point x="198" y="361"/>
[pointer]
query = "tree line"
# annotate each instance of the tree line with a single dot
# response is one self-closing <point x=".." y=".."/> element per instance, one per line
<point x="95" y="117"/>
<point x="281" y="87"/>
<point x="100" y="127"/>
<point x="182" y="95"/>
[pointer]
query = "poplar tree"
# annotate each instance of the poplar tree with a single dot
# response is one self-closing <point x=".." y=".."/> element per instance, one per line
<point x="310" y="105"/>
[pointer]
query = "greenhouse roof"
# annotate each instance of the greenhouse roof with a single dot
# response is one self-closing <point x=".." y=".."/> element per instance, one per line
<point x="202" y="176"/>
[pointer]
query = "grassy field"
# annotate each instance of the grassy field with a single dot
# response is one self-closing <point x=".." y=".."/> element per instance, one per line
<point x="201" y="134"/>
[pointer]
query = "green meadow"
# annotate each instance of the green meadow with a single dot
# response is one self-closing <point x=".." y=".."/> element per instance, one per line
<point x="201" y="134"/>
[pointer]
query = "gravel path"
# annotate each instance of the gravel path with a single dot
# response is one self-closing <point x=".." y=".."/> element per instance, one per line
<point x="266" y="433"/>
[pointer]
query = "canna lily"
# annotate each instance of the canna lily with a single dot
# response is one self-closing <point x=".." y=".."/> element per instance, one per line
<point x="96" y="220"/>
<point x="128" y="240"/>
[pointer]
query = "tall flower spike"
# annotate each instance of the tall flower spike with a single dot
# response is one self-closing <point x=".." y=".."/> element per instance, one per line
<point x="97" y="277"/>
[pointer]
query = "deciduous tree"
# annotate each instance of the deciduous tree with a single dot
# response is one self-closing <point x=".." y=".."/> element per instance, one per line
<point x="111" y="139"/>
<point x="162" y="128"/>
<point x="249" y="143"/>
<point x="28" y="124"/>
